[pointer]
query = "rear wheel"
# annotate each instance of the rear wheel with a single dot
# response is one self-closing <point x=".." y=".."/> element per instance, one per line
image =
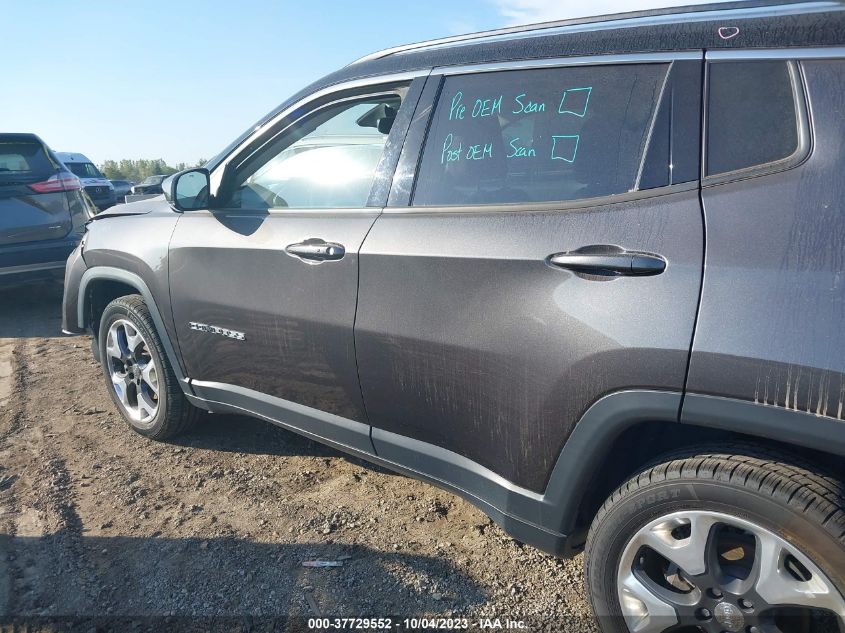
<point x="732" y="539"/>
<point x="139" y="377"/>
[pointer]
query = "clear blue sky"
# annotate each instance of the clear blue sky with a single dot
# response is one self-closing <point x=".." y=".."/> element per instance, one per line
<point x="180" y="79"/>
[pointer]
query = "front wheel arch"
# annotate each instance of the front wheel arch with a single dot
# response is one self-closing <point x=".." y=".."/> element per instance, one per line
<point x="109" y="280"/>
<point x="98" y="294"/>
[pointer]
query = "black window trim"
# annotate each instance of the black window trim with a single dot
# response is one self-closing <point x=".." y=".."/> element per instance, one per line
<point x="661" y="95"/>
<point x="440" y="73"/>
<point x="561" y="62"/>
<point x="802" y="116"/>
<point x="547" y="207"/>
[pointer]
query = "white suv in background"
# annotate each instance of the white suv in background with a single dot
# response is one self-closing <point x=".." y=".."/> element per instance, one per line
<point x="97" y="186"/>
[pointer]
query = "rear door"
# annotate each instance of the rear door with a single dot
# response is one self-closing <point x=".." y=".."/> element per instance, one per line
<point x="31" y="208"/>
<point x="549" y="252"/>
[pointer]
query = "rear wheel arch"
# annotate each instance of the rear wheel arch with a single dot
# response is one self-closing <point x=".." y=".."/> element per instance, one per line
<point x="611" y="444"/>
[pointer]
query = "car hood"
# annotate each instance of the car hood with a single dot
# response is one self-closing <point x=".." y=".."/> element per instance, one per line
<point x="142" y="207"/>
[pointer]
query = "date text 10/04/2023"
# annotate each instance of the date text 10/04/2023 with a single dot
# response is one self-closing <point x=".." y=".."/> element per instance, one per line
<point x="573" y="103"/>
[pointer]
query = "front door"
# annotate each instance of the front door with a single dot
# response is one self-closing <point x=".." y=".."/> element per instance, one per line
<point x="551" y="254"/>
<point x="264" y="285"/>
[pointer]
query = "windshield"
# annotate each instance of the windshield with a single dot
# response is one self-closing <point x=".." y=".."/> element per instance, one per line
<point x="153" y="180"/>
<point x="84" y="170"/>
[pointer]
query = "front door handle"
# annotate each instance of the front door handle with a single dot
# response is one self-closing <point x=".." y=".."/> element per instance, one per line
<point x="609" y="263"/>
<point x="316" y="250"/>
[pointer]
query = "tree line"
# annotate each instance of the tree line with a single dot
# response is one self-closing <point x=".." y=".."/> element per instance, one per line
<point x="137" y="170"/>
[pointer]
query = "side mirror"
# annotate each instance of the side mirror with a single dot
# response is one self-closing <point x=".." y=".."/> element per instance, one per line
<point x="188" y="190"/>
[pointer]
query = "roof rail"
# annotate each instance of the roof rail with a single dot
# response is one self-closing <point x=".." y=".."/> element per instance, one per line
<point x="756" y="8"/>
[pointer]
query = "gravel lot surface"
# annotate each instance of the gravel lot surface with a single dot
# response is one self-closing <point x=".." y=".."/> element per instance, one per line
<point x="98" y="522"/>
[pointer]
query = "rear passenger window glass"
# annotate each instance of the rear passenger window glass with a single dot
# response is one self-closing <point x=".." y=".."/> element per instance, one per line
<point x="751" y="116"/>
<point x="538" y="135"/>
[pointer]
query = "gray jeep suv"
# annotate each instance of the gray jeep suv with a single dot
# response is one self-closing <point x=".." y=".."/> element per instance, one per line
<point x="589" y="275"/>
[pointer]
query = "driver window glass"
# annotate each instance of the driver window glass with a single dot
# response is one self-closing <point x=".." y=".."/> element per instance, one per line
<point x="326" y="161"/>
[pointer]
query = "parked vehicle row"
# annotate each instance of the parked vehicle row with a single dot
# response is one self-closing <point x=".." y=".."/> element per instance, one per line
<point x="122" y="188"/>
<point x="98" y="187"/>
<point x="45" y="199"/>
<point x="481" y="261"/>
<point x="42" y="210"/>
<point x="149" y="185"/>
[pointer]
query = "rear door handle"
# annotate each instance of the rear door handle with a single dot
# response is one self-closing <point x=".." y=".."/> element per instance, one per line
<point x="316" y="250"/>
<point x="620" y="263"/>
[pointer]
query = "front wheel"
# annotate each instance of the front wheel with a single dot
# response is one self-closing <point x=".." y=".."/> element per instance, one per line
<point x="728" y="540"/>
<point x="138" y="375"/>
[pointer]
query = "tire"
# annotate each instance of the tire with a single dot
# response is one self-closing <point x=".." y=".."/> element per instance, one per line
<point x="159" y="409"/>
<point x="688" y="529"/>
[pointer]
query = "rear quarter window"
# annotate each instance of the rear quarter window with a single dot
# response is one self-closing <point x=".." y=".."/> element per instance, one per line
<point x="752" y="117"/>
<point x="538" y="135"/>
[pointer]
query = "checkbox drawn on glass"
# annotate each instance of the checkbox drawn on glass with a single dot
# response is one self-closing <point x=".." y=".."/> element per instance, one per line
<point x="575" y="101"/>
<point x="565" y="147"/>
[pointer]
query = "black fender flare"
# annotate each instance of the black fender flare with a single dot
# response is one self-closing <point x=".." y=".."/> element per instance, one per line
<point x="588" y="445"/>
<point x="99" y="273"/>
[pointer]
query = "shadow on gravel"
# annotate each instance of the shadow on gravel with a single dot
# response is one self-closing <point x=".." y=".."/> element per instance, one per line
<point x="66" y="574"/>
<point x="31" y="311"/>
<point x="242" y="434"/>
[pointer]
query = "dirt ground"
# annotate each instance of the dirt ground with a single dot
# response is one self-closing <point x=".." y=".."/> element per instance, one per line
<point x="103" y="529"/>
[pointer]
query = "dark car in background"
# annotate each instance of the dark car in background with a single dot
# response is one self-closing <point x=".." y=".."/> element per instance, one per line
<point x="149" y="185"/>
<point x="122" y="188"/>
<point x="97" y="186"/>
<point x="42" y="210"/>
<point x="589" y="275"/>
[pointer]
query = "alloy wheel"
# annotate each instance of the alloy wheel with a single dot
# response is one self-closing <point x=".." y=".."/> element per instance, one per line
<point x="716" y="573"/>
<point x="133" y="372"/>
